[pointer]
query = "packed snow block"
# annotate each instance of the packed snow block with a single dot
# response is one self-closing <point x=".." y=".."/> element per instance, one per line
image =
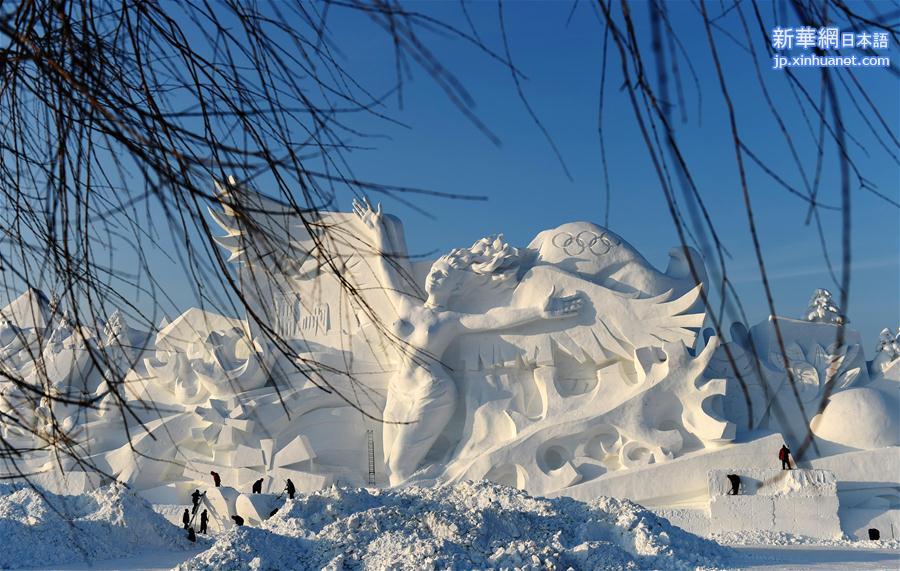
<point x="305" y="482"/>
<point x="874" y="466"/>
<point x="166" y="494"/>
<point x="255" y="508"/>
<point x="246" y="457"/>
<point x="227" y="438"/>
<point x="771" y="482"/>
<point x="673" y="482"/>
<point x="222" y="504"/>
<point x="267" y="445"/>
<point x="857" y="522"/>
<point x="741" y="513"/>
<point x="809" y="516"/>
<point x="297" y="451"/>
<point x="800" y="502"/>
<point x="243" y="424"/>
<point x="240" y="478"/>
<point x="135" y="463"/>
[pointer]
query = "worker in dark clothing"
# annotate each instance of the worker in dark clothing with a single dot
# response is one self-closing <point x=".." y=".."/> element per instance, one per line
<point x="191" y="535"/>
<point x="186" y="518"/>
<point x="735" y="484"/>
<point x="204" y="519"/>
<point x="195" y="500"/>
<point x="216" y="479"/>
<point x="238" y="520"/>
<point x="291" y="490"/>
<point x="785" y="456"/>
<point x="257" y="486"/>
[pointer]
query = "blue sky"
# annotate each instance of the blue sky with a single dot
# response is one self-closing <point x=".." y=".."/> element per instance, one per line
<point x="528" y="191"/>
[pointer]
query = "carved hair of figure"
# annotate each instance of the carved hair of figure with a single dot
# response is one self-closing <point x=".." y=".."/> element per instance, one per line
<point x="489" y="262"/>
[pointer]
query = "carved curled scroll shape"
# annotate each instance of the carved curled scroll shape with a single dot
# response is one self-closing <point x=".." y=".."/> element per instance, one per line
<point x="573" y="245"/>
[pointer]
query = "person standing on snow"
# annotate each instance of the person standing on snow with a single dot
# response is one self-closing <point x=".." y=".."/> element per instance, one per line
<point x="204" y="519"/>
<point x="291" y="490"/>
<point x="785" y="456"/>
<point x="186" y="518"/>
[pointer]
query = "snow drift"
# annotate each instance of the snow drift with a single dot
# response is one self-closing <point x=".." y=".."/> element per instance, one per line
<point x="39" y="528"/>
<point x="463" y="526"/>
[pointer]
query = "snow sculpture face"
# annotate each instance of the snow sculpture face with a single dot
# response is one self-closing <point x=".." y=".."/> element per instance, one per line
<point x="442" y="282"/>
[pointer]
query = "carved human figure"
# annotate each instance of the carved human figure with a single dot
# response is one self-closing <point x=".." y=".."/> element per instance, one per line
<point x="421" y="396"/>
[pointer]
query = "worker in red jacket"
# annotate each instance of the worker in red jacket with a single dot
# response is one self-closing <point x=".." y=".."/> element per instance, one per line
<point x="216" y="479"/>
<point x="785" y="456"/>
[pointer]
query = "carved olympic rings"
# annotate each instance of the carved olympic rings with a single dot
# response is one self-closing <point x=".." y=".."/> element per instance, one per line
<point x="573" y="245"/>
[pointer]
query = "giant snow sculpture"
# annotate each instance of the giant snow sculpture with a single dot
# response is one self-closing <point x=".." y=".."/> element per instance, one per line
<point x="567" y="367"/>
<point x="500" y="362"/>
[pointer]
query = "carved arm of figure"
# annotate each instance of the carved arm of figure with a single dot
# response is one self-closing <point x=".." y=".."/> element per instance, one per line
<point x="552" y="307"/>
<point x="394" y="269"/>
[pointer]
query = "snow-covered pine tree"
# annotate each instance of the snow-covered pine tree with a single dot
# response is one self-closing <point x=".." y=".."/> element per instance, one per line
<point x="823" y="309"/>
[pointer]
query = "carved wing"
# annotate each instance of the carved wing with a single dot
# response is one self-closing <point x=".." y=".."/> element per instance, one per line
<point x="554" y="403"/>
<point x="610" y="328"/>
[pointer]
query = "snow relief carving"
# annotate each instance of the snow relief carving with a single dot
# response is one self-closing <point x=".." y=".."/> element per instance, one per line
<point x="494" y="355"/>
<point x="571" y="361"/>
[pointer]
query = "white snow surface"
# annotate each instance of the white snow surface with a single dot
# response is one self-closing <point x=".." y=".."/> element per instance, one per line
<point x="40" y="529"/>
<point x="779" y="538"/>
<point x="472" y="525"/>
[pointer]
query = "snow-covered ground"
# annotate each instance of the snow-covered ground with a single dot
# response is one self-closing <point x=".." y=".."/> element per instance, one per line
<point x="463" y="526"/>
<point x="780" y="539"/>
<point x="39" y="529"/>
<point x="466" y="526"/>
<point x="766" y="550"/>
<point x="760" y="557"/>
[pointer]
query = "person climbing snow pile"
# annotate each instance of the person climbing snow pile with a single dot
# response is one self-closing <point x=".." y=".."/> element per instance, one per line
<point x="290" y="489"/>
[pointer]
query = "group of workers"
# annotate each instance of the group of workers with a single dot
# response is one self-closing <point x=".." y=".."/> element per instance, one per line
<point x="187" y="518"/>
<point x="189" y="514"/>
<point x="784" y="455"/>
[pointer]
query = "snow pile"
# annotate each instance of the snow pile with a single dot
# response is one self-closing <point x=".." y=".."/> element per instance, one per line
<point x="778" y="538"/>
<point x="463" y="526"/>
<point x="39" y="528"/>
